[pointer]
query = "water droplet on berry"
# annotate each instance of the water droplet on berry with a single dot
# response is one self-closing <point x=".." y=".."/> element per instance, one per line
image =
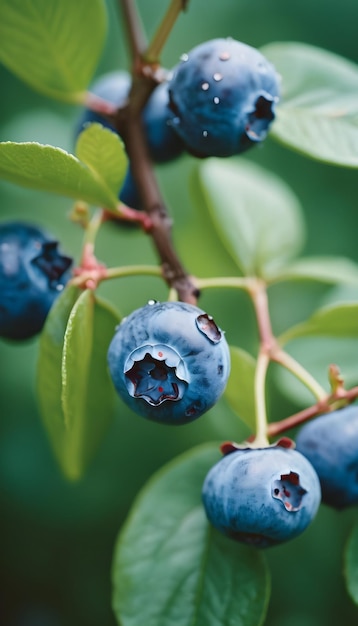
<point x="217" y="77"/>
<point x="224" y="56"/>
<point x="184" y="57"/>
<point x="205" y="86"/>
<point x="59" y="287"/>
<point x="216" y="100"/>
<point x="152" y="302"/>
<point x="205" y="133"/>
<point x="207" y="326"/>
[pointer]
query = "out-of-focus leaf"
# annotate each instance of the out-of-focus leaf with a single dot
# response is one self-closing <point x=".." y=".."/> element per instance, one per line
<point x="320" y="269"/>
<point x="52" y="45"/>
<point x="318" y="113"/>
<point x="351" y="564"/>
<point x="337" y="320"/>
<point x="171" y="567"/>
<point x="256" y="215"/>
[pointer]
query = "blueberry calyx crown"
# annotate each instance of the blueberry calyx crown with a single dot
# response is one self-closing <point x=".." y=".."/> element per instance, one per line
<point x="51" y="263"/>
<point x="259" y="119"/>
<point x="288" y="489"/>
<point x="155" y="374"/>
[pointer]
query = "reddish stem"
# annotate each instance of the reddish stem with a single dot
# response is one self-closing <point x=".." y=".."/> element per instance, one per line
<point x="258" y="293"/>
<point x="323" y="406"/>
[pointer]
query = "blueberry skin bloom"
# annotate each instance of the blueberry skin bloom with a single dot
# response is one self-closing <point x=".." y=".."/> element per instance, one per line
<point x="263" y="496"/>
<point x="32" y="274"/>
<point x="223" y="96"/>
<point x="330" y="443"/>
<point x="169" y="362"/>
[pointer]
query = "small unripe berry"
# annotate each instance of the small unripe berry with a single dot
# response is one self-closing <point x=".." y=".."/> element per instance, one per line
<point x="169" y="362"/>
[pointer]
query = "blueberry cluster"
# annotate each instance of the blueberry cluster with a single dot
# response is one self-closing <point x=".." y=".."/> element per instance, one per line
<point x="218" y="101"/>
<point x="169" y="362"/>
<point x="32" y="274"/>
<point x="261" y="497"/>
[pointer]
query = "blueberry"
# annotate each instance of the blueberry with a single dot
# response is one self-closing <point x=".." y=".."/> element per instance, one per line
<point x="169" y="362"/>
<point x="32" y="274"/>
<point x="261" y="497"/>
<point x="223" y="96"/>
<point x="163" y="142"/>
<point x="330" y="443"/>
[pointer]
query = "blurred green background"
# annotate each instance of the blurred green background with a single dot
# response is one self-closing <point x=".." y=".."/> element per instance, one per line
<point x="57" y="538"/>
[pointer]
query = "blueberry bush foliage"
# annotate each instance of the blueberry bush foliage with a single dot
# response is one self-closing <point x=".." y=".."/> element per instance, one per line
<point x="182" y="191"/>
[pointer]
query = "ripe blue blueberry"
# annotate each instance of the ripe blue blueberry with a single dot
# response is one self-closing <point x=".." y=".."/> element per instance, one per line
<point x="330" y="443"/>
<point x="169" y="362"/>
<point x="164" y="144"/>
<point x="261" y="497"/>
<point x="32" y="274"/>
<point x="223" y="96"/>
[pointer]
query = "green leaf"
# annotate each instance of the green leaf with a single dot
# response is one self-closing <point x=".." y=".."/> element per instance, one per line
<point x="351" y="564"/>
<point x="256" y="215"/>
<point x="74" y="387"/>
<point x="337" y="320"/>
<point x="103" y="153"/>
<point x="54" y="46"/>
<point x="54" y="170"/>
<point x="240" y="392"/>
<point x="49" y="367"/>
<point x="318" y="112"/>
<point x="171" y="567"/>
<point x="328" y="270"/>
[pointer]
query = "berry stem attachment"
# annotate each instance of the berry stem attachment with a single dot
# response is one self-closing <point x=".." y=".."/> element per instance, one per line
<point x="93" y="227"/>
<point x="263" y="360"/>
<point x="153" y="51"/>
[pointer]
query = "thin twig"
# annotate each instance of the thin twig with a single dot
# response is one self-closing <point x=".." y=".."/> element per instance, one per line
<point x="133" y="28"/>
<point x="154" y="50"/>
